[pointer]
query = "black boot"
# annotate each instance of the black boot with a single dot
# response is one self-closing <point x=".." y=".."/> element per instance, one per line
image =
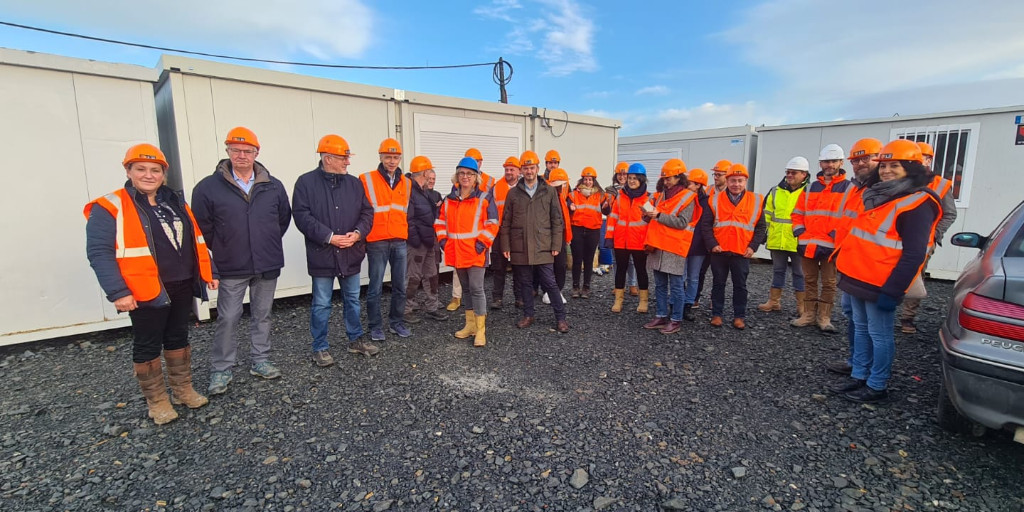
<point x="688" y="314"/>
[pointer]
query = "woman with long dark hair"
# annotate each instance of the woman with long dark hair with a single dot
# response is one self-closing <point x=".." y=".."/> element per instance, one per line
<point x="878" y="259"/>
<point x="626" y="233"/>
<point x="587" y="206"/>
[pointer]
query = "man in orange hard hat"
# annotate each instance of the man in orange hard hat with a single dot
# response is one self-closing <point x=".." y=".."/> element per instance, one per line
<point x="423" y="263"/>
<point x="499" y="263"/>
<point x="334" y="214"/>
<point x="389" y="192"/>
<point x="243" y="213"/>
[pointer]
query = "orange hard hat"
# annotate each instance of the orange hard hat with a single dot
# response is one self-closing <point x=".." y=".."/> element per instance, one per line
<point x="513" y="161"/>
<point x="673" y="167"/>
<point x="474" y="153"/>
<point x="926" y="149"/>
<point x="420" y="164"/>
<point x="333" y="145"/>
<point x="552" y="156"/>
<point x="242" y="135"/>
<point x="698" y="176"/>
<point x="621" y="168"/>
<point x="900" y="149"/>
<point x="864" y="147"/>
<point x="722" y="166"/>
<point x="144" y="153"/>
<point x="588" y="172"/>
<point x="529" y="158"/>
<point x="390" y="146"/>
<point x="737" y="170"/>
<point x="558" y="174"/>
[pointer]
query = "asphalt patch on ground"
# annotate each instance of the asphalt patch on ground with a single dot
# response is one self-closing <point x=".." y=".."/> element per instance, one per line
<point x="607" y="417"/>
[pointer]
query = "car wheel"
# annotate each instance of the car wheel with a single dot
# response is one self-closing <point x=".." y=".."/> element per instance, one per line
<point x="951" y="420"/>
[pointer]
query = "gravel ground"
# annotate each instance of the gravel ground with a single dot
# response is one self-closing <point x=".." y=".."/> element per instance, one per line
<point x="608" y="417"/>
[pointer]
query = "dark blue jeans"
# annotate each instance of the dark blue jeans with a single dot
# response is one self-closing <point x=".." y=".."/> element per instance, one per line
<point x="546" y="274"/>
<point x="320" y="313"/>
<point x="379" y="255"/>
<point x="723" y="265"/>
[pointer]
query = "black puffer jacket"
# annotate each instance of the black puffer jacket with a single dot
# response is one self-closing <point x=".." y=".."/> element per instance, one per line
<point x="422" y="212"/>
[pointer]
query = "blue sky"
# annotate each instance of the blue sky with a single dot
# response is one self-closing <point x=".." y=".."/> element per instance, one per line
<point x="657" y="66"/>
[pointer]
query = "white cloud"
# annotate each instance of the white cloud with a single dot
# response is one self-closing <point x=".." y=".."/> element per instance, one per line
<point x="827" y="51"/>
<point x="323" y="29"/>
<point x="704" y="116"/>
<point x="652" y="90"/>
<point x="499" y="9"/>
<point x="563" y="32"/>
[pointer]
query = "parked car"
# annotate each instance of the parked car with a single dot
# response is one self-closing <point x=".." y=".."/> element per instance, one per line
<point x="982" y="338"/>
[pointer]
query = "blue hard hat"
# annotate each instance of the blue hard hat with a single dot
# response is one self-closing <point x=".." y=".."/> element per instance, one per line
<point x="468" y="163"/>
<point x="637" y="168"/>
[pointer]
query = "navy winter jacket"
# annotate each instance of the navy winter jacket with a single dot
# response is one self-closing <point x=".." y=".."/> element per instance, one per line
<point x="326" y="204"/>
<point x="243" y="231"/>
<point x="422" y="213"/>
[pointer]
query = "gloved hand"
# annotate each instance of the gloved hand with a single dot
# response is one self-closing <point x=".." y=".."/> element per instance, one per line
<point x="887" y="302"/>
<point x="609" y="243"/>
<point x="480" y="247"/>
<point x="443" y="243"/>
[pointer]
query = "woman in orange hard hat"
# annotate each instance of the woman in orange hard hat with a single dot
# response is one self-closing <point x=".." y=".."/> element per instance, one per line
<point x="671" y="223"/>
<point x="150" y="259"/>
<point x="587" y="207"/>
<point x="878" y="259"/>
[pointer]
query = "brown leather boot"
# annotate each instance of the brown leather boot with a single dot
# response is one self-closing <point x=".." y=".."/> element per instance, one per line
<point x="634" y="291"/>
<point x="179" y="376"/>
<point x="617" y="305"/>
<point x="808" y="316"/>
<point x="644" y="301"/>
<point x="801" y="297"/>
<point x="825" y="317"/>
<point x="151" y="379"/>
<point x="774" y="302"/>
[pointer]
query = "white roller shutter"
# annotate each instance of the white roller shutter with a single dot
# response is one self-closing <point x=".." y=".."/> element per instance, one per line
<point x="445" y="139"/>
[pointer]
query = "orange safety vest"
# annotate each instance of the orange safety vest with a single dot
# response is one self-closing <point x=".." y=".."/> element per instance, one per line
<point x="734" y="224"/>
<point x="132" y="250"/>
<point x="464" y="222"/>
<point x="941" y="186"/>
<point x="626" y="225"/>
<point x="853" y="204"/>
<point x="563" y="194"/>
<point x="818" y="212"/>
<point x="498" y="194"/>
<point x="675" y="241"/>
<point x="486" y="182"/>
<point x="588" y="209"/>
<point x="873" y="247"/>
<point x="390" y="206"/>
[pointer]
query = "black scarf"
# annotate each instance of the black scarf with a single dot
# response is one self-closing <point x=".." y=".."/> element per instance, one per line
<point x="885" y="191"/>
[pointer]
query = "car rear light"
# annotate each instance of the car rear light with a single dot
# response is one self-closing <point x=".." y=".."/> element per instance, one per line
<point x="975" y="303"/>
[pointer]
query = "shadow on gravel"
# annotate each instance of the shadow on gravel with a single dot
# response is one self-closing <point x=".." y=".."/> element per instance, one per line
<point x="607" y="417"/>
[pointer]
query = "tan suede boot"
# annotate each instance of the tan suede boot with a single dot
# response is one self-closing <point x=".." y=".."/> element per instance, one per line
<point x="179" y="376"/>
<point x="801" y="297"/>
<point x="454" y="304"/>
<point x="774" y="301"/>
<point x="808" y="315"/>
<point x="470" y="328"/>
<point x="151" y="379"/>
<point x="481" y="331"/>
<point x="634" y="291"/>
<point x="617" y="305"/>
<point x="642" y="306"/>
<point x="825" y="317"/>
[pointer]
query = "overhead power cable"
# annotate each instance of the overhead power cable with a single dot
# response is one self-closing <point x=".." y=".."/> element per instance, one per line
<point x="246" y="59"/>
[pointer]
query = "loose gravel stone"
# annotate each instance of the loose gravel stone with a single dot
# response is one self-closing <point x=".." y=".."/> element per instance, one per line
<point x="431" y="423"/>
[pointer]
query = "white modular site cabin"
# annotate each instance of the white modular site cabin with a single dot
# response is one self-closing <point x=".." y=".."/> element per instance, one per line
<point x="698" y="149"/>
<point x="67" y="123"/>
<point x="977" y="150"/>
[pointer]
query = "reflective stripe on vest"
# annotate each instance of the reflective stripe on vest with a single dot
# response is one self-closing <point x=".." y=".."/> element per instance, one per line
<point x="674" y="240"/>
<point x="873" y="248"/>
<point x="735" y="235"/>
<point x="941" y="186"/>
<point x="390" y="220"/>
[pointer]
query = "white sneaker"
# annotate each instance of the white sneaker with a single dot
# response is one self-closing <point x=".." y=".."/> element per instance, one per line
<point x="563" y="298"/>
<point x="545" y="298"/>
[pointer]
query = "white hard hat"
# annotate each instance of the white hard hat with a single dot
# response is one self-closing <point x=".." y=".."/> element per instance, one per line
<point x="798" y="163"/>
<point x="832" y="152"/>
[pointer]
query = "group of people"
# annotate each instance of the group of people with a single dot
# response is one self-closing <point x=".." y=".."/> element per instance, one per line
<point x="152" y="252"/>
